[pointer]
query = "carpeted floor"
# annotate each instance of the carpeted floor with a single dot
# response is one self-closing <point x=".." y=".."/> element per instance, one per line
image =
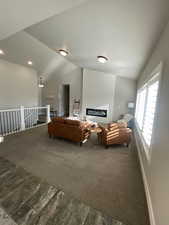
<point x="107" y="180"/>
<point x="29" y="200"/>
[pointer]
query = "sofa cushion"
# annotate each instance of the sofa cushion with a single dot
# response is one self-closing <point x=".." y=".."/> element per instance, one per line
<point x="73" y="130"/>
<point x="116" y="125"/>
<point x="58" y="119"/>
<point x="73" y="122"/>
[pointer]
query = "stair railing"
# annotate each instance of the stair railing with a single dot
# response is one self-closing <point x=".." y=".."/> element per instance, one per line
<point x="16" y="120"/>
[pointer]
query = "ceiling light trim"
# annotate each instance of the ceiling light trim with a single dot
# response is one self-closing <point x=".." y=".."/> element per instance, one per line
<point x="102" y="59"/>
<point x="63" y="52"/>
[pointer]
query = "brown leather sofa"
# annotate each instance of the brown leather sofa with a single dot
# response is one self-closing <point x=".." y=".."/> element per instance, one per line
<point x="73" y="130"/>
<point x="114" y="133"/>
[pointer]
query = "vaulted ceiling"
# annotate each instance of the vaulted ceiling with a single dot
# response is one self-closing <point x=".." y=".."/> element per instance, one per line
<point x="22" y="47"/>
<point x="124" y="31"/>
<point x="16" y="15"/>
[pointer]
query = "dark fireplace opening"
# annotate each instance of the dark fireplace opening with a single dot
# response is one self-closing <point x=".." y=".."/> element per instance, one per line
<point x="96" y="112"/>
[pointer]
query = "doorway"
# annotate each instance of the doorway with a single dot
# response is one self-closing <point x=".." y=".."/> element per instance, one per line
<point x="66" y="99"/>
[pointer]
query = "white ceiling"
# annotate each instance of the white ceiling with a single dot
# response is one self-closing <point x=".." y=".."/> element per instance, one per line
<point x="16" y="15"/>
<point x="22" y="47"/>
<point x="124" y="31"/>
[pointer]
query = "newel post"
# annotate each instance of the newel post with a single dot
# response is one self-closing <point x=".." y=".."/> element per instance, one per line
<point x="48" y="119"/>
<point x="22" y="118"/>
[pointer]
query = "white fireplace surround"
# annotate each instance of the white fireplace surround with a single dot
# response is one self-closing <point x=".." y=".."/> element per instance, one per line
<point x="106" y="91"/>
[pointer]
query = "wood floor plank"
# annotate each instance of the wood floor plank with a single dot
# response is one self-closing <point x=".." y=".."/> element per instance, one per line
<point x="65" y="214"/>
<point x="80" y="214"/>
<point x="5" y="166"/>
<point x="5" y="218"/>
<point x="22" y="194"/>
<point x="74" y="213"/>
<point x="32" y="208"/>
<point x="97" y="218"/>
<point x="11" y="181"/>
<point x="6" y="173"/>
<point x="53" y="208"/>
<point x="91" y="218"/>
<point x="63" y="210"/>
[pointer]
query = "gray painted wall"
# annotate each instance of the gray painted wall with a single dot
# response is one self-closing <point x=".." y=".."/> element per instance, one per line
<point x="157" y="169"/>
<point x="52" y="93"/>
<point x="93" y="88"/>
<point x="18" y="86"/>
<point x="125" y="92"/>
<point x="98" y="93"/>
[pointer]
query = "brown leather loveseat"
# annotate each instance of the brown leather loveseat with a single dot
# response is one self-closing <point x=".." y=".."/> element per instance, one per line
<point x="74" y="130"/>
<point x="115" y="133"/>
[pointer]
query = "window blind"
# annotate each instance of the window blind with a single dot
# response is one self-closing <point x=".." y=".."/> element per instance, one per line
<point x="146" y="108"/>
<point x="140" y="110"/>
<point x="150" y="112"/>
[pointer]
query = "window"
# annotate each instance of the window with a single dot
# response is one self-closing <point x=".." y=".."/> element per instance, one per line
<point x="150" y="109"/>
<point x="146" y="108"/>
<point x="140" y="107"/>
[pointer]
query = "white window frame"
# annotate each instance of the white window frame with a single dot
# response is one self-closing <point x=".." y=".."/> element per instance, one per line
<point x="155" y="75"/>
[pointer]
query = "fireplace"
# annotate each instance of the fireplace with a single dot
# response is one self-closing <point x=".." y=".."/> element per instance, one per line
<point x="96" y="112"/>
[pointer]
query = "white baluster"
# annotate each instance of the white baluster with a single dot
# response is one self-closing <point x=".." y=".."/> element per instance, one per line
<point x="1" y="139"/>
<point x="48" y="119"/>
<point x="22" y="118"/>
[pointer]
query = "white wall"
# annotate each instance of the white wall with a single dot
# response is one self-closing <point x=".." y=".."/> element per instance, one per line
<point x="125" y="92"/>
<point x="103" y="90"/>
<point x="157" y="170"/>
<point x="98" y="92"/>
<point x="93" y="88"/>
<point x="52" y="91"/>
<point x="18" y="86"/>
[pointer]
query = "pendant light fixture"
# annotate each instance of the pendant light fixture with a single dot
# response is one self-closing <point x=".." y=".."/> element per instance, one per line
<point x="30" y="63"/>
<point x="41" y="83"/>
<point x="2" y="52"/>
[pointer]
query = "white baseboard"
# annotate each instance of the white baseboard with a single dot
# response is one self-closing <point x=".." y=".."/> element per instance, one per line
<point x="146" y="186"/>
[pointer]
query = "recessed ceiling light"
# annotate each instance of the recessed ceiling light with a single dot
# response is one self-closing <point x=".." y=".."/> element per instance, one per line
<point x="63" y="52"/>
<point x="30" y="62"/>
<point x="1" y="52"/>
<point x="102" y="59"/>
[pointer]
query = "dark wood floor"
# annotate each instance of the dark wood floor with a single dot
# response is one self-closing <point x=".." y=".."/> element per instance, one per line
<point x="29" y="200"/>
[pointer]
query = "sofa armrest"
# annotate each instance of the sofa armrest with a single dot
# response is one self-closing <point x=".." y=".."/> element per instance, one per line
<point x="104" y="129"/>
<point x="50" y="129"/>
<point x="85" y="133"/>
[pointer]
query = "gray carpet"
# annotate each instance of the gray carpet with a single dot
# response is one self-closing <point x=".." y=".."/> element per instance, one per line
<point x="107" y="180"/>
<point x="29" y="200"/>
